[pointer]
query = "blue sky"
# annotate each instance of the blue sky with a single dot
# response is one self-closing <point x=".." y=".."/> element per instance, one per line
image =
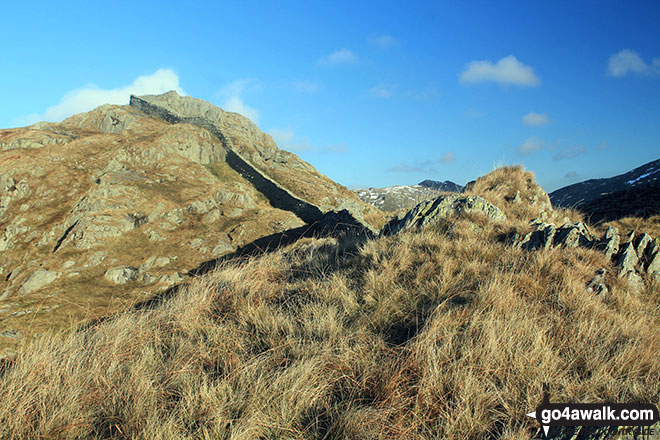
<point x="370" y="93"/>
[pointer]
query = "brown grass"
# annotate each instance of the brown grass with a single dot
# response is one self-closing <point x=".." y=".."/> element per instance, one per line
<point x="441" y="333"/>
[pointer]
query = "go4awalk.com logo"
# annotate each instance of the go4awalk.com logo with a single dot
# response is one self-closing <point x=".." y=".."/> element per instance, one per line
<point x="593" y="414"/>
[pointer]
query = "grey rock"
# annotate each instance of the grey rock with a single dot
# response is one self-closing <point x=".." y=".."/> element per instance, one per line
<point x="610" y="242"/>
<point x="122" y="274"/>
<point x="597" y="284"/>
<point x="571" y="235"/>
<point x="171" y="279"/>
<point x="11" y="333"/>
<point x="653" y="252"/>
<point x="38" y="280"/>
<point x="627" y="259"/>
<point x="541" y="238"/>
<point x="642" y="242"/>
<point x="431" y="212"/>
<point x="222" y="249"/>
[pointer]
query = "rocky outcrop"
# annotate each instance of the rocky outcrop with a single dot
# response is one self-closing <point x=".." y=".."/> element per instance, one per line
<point x="633" y="255"/>
<point x="427" y="213"/>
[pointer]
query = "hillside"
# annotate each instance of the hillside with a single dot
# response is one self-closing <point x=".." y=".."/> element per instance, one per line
<point x="445" y="327"/>
<point x="634" y="193"/>
<point x="110" y="207"/>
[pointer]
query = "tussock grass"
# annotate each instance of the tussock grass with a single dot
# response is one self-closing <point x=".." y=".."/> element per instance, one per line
<point x="441" y="333"/>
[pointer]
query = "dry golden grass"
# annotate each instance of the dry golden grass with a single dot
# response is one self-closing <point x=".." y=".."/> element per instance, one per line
<point x="625" y="225"/>
<point x="441" y="333"/>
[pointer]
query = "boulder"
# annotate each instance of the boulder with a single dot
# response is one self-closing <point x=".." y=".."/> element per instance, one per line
<point x="122" y="274"/>
<point x="38" y="280"/>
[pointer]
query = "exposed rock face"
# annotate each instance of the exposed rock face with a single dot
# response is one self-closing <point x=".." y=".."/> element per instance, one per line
<point x="635" y="256"/>
<point x="170" y="178"/>
<point x="431" y="212"/>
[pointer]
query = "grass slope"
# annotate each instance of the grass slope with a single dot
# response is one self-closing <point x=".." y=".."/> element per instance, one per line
<point x="441" y="333"/>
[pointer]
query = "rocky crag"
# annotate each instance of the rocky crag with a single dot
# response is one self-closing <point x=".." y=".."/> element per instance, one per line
<point x="110" y="207"/>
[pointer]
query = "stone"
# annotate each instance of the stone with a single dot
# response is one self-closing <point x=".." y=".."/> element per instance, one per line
<point x="610" y="242"/>
<point x="431" y="212"/>
<point x="653" y="267"/>
<point x="171" y="279"/>
<point x="122" y="274"/>
<point x="222" y="249"/>
<point x="642" y="242"/>
<point x="627" y="259"/>
<point x="38" y="280"/>
<point x="68" y="264"/>
<point x="572" y="235"/>
<point x="597" y="284"/>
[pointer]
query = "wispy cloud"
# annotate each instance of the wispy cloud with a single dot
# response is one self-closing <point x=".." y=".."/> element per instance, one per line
<point x="531" y="145"/>
<point x="571" y="175"/>
<point x="425" y="167"/>
<point x="536" y="119"/>
<point x="382" y="90"/>
<point x="305" y="86"/>
<point x="232" y="94"/>
<point x="287" y="139"/>
<point x="507" y="71"/>
<point x="628" y="62"/>
<point x="570" y="152"/>
<point x="383" y="41"/>
<point x="91" y="96"/>
<point x="341" y="56"/>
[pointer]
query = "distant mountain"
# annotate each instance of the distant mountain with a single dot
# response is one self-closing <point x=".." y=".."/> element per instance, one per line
<point x="447" y="185"/>
<point x="635" y="193"/>
<point x="394" y="198"/>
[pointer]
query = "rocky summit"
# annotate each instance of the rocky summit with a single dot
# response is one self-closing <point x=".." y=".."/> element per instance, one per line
<point x="110" y="207"/>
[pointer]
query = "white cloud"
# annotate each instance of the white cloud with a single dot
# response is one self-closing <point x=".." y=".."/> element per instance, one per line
<point x="506" y="71"/>
<point x="341" y="56"/>
<point x="536" y="119"/>
<point x="530" y="146"/>
<point x="91" y="96"/>
<point x="232" y="94"/>
<point x="628" y="61"/>
<point x="383" y="41"/>
<point x="305" y="86"/>
<point x="382" y="90"/>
